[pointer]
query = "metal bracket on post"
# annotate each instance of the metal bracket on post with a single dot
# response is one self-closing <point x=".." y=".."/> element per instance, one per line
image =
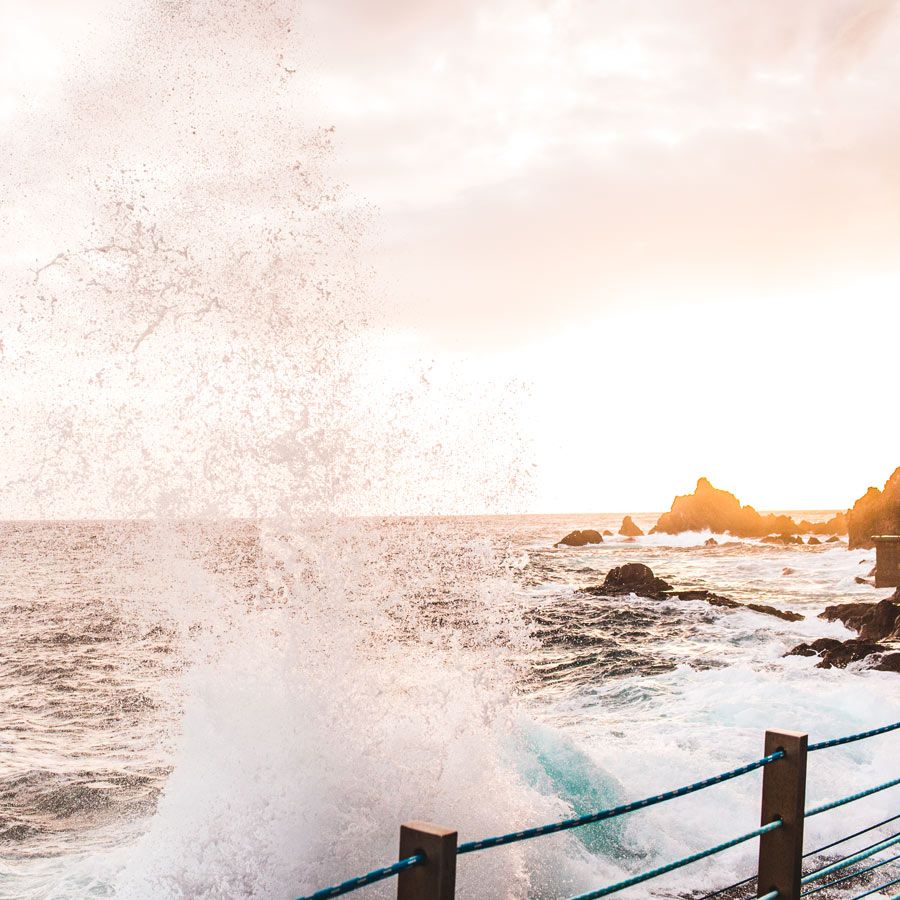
<point x="783" y="797"/>
<point x="436" y="878"/>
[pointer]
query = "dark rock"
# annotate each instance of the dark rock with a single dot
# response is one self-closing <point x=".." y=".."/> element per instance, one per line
<point x="860" y="580"/>
<point x="629" y="529"/>
<point x="818" y="646"/>
<point x="709" y="597"/>
<point x="882" y="623"/>
<point x="580" y="538"/>
<point x="834" y="539"/>
<point x="848" y="652"/>
<point x="710" y="542"/>
<point x="639" y="579"/>
<point x="839" y="654"/>
<point x="876" y="512"/>
<point x="872" y="573"/>
<point x="813" y="541"/>
<point x="786" y="614"/>
<point x="787" y="570"/>
<point x="874" y="621"/>
<point x="607" y="533"/>
<point x="850" y="614"/>
<point x="890" y="662"/>
<point x="719" y="511"/>
<point x="634" y="578"/>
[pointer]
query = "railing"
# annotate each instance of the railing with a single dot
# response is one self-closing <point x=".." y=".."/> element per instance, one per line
<point x="426" y="869"/>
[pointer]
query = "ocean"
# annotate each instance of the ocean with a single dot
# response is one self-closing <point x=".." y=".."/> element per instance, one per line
<point x="235" y="709"/>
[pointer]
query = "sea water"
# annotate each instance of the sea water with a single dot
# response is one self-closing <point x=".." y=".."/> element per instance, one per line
<point x="236" y="708"/>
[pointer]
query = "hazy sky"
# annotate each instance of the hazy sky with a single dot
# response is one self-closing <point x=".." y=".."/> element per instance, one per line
<point x="652" y="239"/>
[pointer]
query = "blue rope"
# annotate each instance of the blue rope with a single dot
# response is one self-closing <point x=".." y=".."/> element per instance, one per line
<point x="353" y="884"/>
<point x="835" y="803"/>
<point x="772" y="895"/>
<point x="828" y="884"/>
<point x="850" y="837"/>
<point x="604" y="814"/>
<point x="836" y="742"/>
<point x="875" y="890"/>
<point x="806" y="855"/>
<point x="669" y="867"/>
<point x="850" y="860"/>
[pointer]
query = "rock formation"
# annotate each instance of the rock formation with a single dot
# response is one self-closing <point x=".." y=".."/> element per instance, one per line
<point x="629" y="529"/>
<point x="875" y="622"/>
<point x="719" y="511"/>
<point x="876" y="512"/>
<point x="636" y="578"/>
<point x="633" y="578"/>
<point x="837" y="653"/>
<point x="581" y="538"/>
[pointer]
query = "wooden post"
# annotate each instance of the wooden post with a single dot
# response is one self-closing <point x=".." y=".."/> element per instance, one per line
<point x="783" y="797"/>
<point x="436" y="879"/>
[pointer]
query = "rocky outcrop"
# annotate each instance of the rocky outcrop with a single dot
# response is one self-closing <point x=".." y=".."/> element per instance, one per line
<point x="890" y="662"/>
<point x="837" y="654"/>
<point x="607" y="533"/>
<point x="721" y="512"/>
<point x="710" y="542"/>
<point x="834" y="539"/>
<point x="581" y="538"/>
<point x="636" y="578"/>
<point x="633" y="578"/>
<point x="876" y="512"/>
<point x="813" y="542"/>
<point x="874" y="621"/>
<point x="783" y="539"/>
<point x="629" y="529"/>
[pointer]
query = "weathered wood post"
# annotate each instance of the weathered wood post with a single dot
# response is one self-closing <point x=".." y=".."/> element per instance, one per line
<point x="436" y="879"/>
<point x="783" y="797"/>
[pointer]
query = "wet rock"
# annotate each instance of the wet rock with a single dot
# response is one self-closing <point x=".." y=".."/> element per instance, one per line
<point x="786" y="614"/>
<point x="890" y="662"/>
<point x="629" y="529"/>
<point x="607" y="533"/>
<point x="874" y="621"/>
<point x="710" y="542"/>
<point x="709" y="597"/>
<point x="837" y="654"/>
<point x="813" y="541"/>
<point x="581" y="538"/>
<point x="639" y="579"/>
<point x="860" y="580"/>
<point x="787" y="570"/>
<point x="848" y="652"/>
<point x="815" y="648"/>
<point x="873" y="572"/>
<point x="634" y="578"/>
<point x="876" y="512"/>
<point x="834" y="539"/>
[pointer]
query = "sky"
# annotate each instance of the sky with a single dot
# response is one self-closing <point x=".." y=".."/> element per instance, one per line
<point x="600" y="248"/>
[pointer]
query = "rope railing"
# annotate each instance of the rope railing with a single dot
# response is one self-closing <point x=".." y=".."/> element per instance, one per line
<point x="856" y="874"/>
<point x="834" y="804"/>
<point x="850" y="860"/>
<point x="851" y="738"/>
<point x="427" y="869"/>
<point x="604" y="814"/>
<point x="876" y="890"/>
<point x="354" y="884"/>
<point x="684" y="861"/>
